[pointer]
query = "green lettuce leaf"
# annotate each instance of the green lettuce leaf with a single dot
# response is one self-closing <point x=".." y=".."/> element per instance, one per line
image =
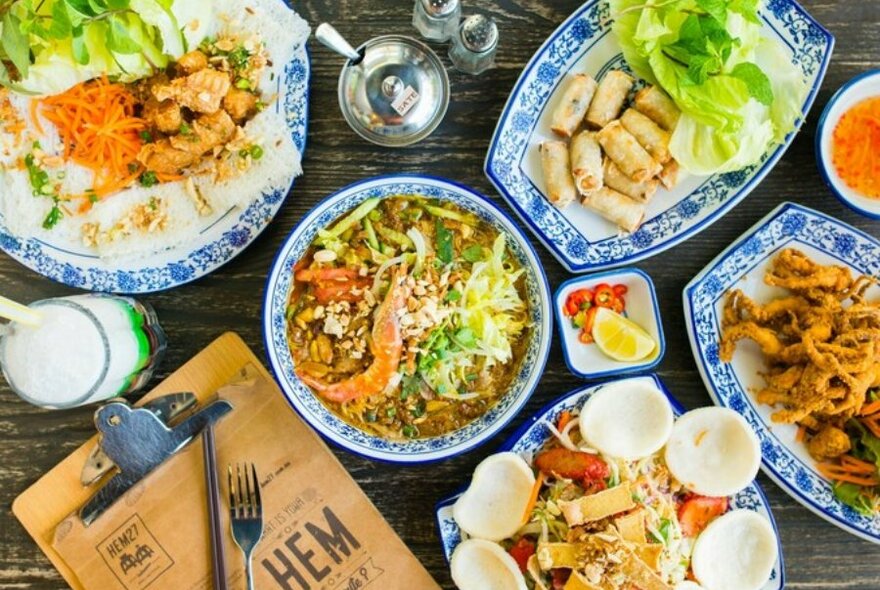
<point x="738" y="90"/>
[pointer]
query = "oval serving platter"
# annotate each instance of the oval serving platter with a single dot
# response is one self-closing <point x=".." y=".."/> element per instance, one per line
<point x="577" y="237"/>
<point x="742" y="265"/>
<point x="313" y="411"/>
<point x="534" y="433"/>
<point x="215" y="244"/>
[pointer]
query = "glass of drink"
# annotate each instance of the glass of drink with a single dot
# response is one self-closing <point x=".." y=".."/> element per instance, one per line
<point x="81" y="349"/>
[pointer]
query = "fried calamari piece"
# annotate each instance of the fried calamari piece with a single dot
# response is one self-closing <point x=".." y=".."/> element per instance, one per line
<point x="792" y="269"/>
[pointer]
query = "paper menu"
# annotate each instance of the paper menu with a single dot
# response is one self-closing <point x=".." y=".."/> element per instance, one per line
<point x="320" y="530"/>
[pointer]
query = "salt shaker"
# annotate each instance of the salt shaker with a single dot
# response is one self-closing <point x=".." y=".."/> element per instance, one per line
<point x="436" y="20"/>
<point x="473" y="47"/>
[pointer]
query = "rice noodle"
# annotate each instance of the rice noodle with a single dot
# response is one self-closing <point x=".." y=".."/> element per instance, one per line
<point x="377" y="280"/>
<point x="564" y="440"/>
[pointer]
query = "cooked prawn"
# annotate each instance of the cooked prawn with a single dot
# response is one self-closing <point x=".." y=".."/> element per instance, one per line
<point x="386" y="346"/>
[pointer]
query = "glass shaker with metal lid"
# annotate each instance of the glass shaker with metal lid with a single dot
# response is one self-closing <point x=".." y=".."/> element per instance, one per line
<point x="473" y="48"/>
<point x="436" y="20"/>
<point x="393" y="90"/>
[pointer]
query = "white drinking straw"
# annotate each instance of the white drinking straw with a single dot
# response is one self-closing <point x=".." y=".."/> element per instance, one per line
<point x="16" y="312"/>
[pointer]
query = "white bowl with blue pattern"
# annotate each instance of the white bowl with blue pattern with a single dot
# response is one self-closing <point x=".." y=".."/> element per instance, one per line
<point x="742" y="266"/>
<point x="304" y="401"/>
<point x="860" y="88"/>
<point x="215" y="245"/>
<point x="580" y="239"/>
<point x="529" y="439"/>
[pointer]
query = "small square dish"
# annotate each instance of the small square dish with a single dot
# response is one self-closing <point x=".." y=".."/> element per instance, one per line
<point x="587" y="360"/>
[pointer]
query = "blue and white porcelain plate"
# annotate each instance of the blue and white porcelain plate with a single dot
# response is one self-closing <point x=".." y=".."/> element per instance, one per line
<point x="214" y="246"/>
<point x="304" y="401"/>
<point x="581" y="240"/>
<point x="743" y="265"/>
<point x="534" y="433"/>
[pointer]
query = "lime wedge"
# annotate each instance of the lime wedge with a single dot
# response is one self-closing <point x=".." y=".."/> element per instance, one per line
<point x="620" y="338"/>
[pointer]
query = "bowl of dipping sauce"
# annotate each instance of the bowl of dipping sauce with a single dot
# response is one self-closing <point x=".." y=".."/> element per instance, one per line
<point x="848" y="144"/>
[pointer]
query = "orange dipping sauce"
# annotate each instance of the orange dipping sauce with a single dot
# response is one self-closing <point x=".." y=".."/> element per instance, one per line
<point x="855" y="148"/>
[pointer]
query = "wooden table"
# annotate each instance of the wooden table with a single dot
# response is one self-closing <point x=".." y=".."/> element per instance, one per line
<point x="818" y="555"/>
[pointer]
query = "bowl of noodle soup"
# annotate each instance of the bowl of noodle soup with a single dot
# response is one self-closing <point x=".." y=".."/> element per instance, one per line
<point x="407" y="318"/>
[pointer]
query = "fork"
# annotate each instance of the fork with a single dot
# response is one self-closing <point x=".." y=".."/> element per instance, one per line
<point x="246" y="514"/>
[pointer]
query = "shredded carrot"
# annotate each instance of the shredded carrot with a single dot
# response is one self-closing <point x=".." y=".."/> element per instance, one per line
<point x="844" y="474"/>
<point x="533" y="497"/>
<point x="801" y="433"/>
<point x="99" y="129"/>
<point x="872" y="423"/>
<point x="871" y="408"/>
<point x="856" y="147"/>
<point x="564" y="419"/>
<point x="857" y="465"/>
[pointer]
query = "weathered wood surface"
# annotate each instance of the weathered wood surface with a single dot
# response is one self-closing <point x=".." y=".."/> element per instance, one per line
<point x="818" y="555"/>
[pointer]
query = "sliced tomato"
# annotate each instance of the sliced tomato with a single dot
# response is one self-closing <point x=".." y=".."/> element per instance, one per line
<point x="521" y="551"/>
<point x="562" y="462"/>
<point x="314" y="275"/>
<point x="696" y="512"/>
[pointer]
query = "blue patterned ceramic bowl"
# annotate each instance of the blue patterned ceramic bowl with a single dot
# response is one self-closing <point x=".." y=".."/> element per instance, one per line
<point x="310" y="407"/>
<point x="582" y="241"/>
<point x="532" y="436"/>
<point x="742" y="266"/>
<point x="860" y="88"/>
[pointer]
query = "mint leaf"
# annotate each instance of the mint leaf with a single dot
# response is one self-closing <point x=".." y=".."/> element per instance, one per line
<point x="15" y="44"/>
<point x="717" y="9"/>
<point x="444" y="243"/>
<point x="60" y="26"/>
<point x="699" y="69"/>
<point x="80" y="7"/>
<point x="757" y="81"/>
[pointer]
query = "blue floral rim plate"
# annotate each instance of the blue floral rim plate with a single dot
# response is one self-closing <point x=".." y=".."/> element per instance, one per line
<point x="212" y="248"/>
<point x="313" y="411"/>
<point x="534" y="433"/>
<point x="742" y="265"/>
<point x="578" y="238"/>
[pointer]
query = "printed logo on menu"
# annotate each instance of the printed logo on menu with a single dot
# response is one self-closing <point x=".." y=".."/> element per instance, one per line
<point x="310" y="548"/>
<point x="134" y="555"/>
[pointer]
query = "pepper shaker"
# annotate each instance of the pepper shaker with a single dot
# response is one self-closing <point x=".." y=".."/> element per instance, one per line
<point x="436" y="20"/>
<point x="474" y="46"/>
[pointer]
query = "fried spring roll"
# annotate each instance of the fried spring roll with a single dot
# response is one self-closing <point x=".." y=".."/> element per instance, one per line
<point x="670" y="174"/>
<point x="640" y="191"/>
<point x="652" y="137"/>
<point x="586" y="162"/>
<point x="609" y="98"/>
<point x="573" y="106"/>
<point x="616" y="207"/>
<point x="557" y="173"/>
<point x="625" y="150"/>
<point x="657" y="106"/>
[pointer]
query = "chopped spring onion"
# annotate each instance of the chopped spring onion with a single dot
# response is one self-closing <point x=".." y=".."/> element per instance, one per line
<point x="469" y="219"/>
<point x="352" y="218"/>
<point x="371" y="234"/>
<point x="394" y="236"/>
